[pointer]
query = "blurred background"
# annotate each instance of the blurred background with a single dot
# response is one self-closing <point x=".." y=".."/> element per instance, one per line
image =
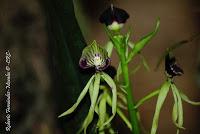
<point x="41" y="87"/>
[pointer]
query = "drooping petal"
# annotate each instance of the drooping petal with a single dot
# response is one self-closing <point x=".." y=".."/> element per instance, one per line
<point x="112" y="85"/>
<point x="94" y="98"/>
<point x="81" y="96"/>
<point x="161" y="98"/>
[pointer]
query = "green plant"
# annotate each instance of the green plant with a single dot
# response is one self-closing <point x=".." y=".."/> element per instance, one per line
<point x="117" y="92"/>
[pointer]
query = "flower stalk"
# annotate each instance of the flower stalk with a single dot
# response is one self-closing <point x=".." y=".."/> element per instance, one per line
<point x="121" y="44"/>
<point x="130" y="99"/>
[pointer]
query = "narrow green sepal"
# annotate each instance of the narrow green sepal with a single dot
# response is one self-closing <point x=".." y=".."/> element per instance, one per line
<point x="143" y="42"/>
<point x="81" y="96"/>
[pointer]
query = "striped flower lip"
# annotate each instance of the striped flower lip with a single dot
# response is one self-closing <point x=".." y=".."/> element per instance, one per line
<point x="171" y="66"/>
<point x="114" y="17"/>
<point x="94" y="56"/>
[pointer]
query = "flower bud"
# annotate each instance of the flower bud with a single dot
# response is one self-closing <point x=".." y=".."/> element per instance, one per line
<point x="171" y="66"/>
<point x="114" y="18"/>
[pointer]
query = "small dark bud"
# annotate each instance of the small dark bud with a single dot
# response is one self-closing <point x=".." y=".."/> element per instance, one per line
<point x="114" y="18"/>
<point x="171" y="66"/>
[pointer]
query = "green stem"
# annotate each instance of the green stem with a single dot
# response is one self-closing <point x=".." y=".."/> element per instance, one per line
<point x="129" y="97"/>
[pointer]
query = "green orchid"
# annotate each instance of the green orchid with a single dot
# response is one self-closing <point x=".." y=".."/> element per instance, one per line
<point x="95" y="56"/>
<point x="172" y="70"/>
<point x="117" y="93"/>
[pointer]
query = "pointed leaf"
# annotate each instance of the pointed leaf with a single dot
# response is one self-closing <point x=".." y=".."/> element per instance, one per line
<point x="143" y="42"/>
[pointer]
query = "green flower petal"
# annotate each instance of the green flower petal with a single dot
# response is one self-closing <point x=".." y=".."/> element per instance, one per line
<point x="186" y="99"/>
<point x="90" y="115"/>
<point x="112" y="85"/>
<point x="161" y="98"/>
<point x="81" y="96"/>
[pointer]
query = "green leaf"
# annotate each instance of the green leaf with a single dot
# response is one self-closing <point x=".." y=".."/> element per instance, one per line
<point x="65" y="44"/>
<point x="161" y="98"/>
<point x="112" y="85"/>
<point x="186" y="99"/>
<point x="90" y="115"/>
<point x="143" y="42"/>
<point x="81" y="96"/>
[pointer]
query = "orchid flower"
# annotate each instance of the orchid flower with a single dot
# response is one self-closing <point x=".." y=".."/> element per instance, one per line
<point x="172" y="70"/>
<point x="95" y="56"/>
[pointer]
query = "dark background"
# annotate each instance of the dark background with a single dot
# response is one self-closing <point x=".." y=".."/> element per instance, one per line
<point x="45" y="43"/>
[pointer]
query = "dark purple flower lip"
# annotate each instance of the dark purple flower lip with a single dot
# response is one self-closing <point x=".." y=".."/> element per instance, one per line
<point x="171" y="66"/>
<point x="113" y="14"/>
